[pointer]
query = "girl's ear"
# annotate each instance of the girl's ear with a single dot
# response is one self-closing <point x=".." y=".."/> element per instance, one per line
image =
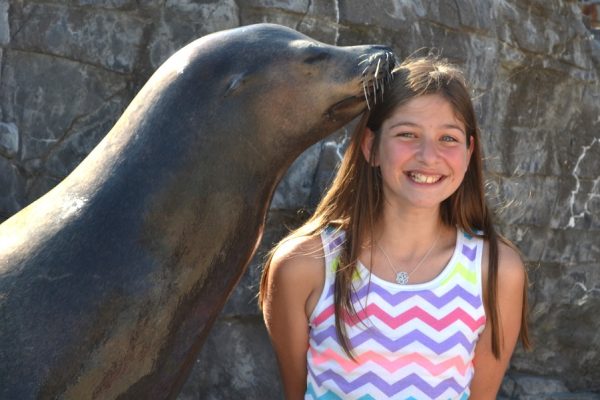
<point x="367" y="146"/>
<point x="470" y="149"/>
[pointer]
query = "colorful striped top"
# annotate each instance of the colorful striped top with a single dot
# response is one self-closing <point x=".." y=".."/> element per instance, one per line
<point x="410" y="341"/>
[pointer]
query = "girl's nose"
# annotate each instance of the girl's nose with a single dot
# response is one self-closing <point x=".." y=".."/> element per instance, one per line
<point x="427" y="151"/>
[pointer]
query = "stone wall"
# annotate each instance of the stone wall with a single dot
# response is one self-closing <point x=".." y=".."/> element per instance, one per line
<point x="69" y="68"/>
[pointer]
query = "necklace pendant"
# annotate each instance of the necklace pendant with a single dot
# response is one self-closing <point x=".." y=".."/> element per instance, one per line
<point x="402" y="278"/>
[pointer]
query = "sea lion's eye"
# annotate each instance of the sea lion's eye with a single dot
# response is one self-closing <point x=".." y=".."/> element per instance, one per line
<point x="235" y="82"/>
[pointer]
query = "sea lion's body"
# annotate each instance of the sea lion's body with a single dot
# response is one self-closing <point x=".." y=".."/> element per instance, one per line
<point x="110" y="282"/>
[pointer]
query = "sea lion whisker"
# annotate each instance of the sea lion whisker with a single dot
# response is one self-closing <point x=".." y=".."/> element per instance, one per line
<point x="375" y="92"/>
<point x="366" y="95"/>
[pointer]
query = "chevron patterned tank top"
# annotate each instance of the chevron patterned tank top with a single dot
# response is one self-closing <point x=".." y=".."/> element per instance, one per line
<point x="409" y="341"/>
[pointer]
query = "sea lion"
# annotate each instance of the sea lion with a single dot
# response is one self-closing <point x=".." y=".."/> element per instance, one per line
<point x="110" y="282"/>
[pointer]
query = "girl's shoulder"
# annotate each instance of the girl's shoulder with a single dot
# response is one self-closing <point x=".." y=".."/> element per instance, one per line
<point x="510" y="263"/>
<point x="511" y="269"/>
<point x="298" y="261"/>
<point x="308" y="248"/>
<point x="509" y="257"/>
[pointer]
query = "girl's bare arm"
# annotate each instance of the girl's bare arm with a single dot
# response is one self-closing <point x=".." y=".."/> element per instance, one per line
<point x="295" y="277"/>
<point x="489" y="371"/>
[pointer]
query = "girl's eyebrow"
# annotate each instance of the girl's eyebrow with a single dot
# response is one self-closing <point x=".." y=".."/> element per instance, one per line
<point x="412" y="124"/>
<point x="454" y="126"/>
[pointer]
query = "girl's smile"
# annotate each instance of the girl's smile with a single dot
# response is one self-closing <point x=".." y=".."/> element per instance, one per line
<point x="424" y="178"/>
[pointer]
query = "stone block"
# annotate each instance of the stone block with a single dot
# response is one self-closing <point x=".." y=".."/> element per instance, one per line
<point x="121" y="5"/>
<point x="243" y="300"/>
<point x="106" y="38"/>
<point x="106" y="4"/>
<point x="560" y="396"/>
<point x="183" y="21"/>
<point x="520" y="143"/>
<point x="563" y="318"/>
<point x="9" y="139"/>
<point x="40" y="108"/>
<point x="538" y="95"/>
<point x="150" y="4"/>
<point x="4" y="24"/>
<point x="256" y="15"/>
<point x="294" y="189"/>
<point x="573" y="396"/>
<point x="400" y="16"/>
<point x="580" y="205"/>
<point x="385" y="14"/>
<point x="1" y="68"/>
<point x="236" y="362"/>
<point x="586" y="162"/>
<point x="572" y="246"/>
<point x="473" y="15"/>
<point x="332" y="151"/>
<point x="312" y="172"/>
<point x="576" y="204"/>
<point x="525" y="199"/>
<point x="83" y="135"/>
<point x="481" y="69"/>
<point x="533" y="385"/>
<point x="294" y="6"/>
<point x="542" y="95"/>
<point x="530" y="240"/>
<point x="530" y="30"/>
<point x="428" y="36"/>
<point x="320" y="20"/>
<point x="38" y="185"/>
<point x="12" y="194"/>
<point x="507" y="388"/>
<point x="202" y="10"/>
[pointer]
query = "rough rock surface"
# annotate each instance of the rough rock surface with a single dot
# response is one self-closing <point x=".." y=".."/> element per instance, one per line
<point x="68" y="69"/>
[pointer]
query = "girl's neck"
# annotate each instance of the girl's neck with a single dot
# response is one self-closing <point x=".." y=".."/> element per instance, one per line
<point x="408" y="233"/>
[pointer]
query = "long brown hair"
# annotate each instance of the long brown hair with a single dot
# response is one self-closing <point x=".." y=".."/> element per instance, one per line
<point x="354" y="203"/>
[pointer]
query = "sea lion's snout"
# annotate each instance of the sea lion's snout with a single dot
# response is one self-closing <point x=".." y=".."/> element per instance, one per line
<point x="376" y="72"/>
<point x="373" y="73"/>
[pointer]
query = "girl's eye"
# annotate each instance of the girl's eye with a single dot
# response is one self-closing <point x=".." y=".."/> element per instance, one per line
<point x="448" y="138"/>
<point x="405" y="134"/>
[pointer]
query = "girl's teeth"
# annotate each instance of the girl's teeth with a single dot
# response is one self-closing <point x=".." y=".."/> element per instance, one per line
<point x="420" y="178"/>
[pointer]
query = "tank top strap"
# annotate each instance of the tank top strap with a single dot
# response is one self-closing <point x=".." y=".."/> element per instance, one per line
<point x="470" y="260"/>
<point x="333" y="241"/>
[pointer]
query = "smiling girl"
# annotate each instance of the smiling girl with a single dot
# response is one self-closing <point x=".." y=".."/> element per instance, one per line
<point x="399" y="287"/>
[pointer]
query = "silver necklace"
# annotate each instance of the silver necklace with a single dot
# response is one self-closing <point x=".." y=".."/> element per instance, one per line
<point x="402" y="276"/>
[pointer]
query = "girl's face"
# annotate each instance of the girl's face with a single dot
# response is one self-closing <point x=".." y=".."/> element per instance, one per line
<point x="423" y="153"/>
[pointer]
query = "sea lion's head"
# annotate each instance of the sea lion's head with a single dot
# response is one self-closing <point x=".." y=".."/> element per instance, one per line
<point x="283" y="86"/>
